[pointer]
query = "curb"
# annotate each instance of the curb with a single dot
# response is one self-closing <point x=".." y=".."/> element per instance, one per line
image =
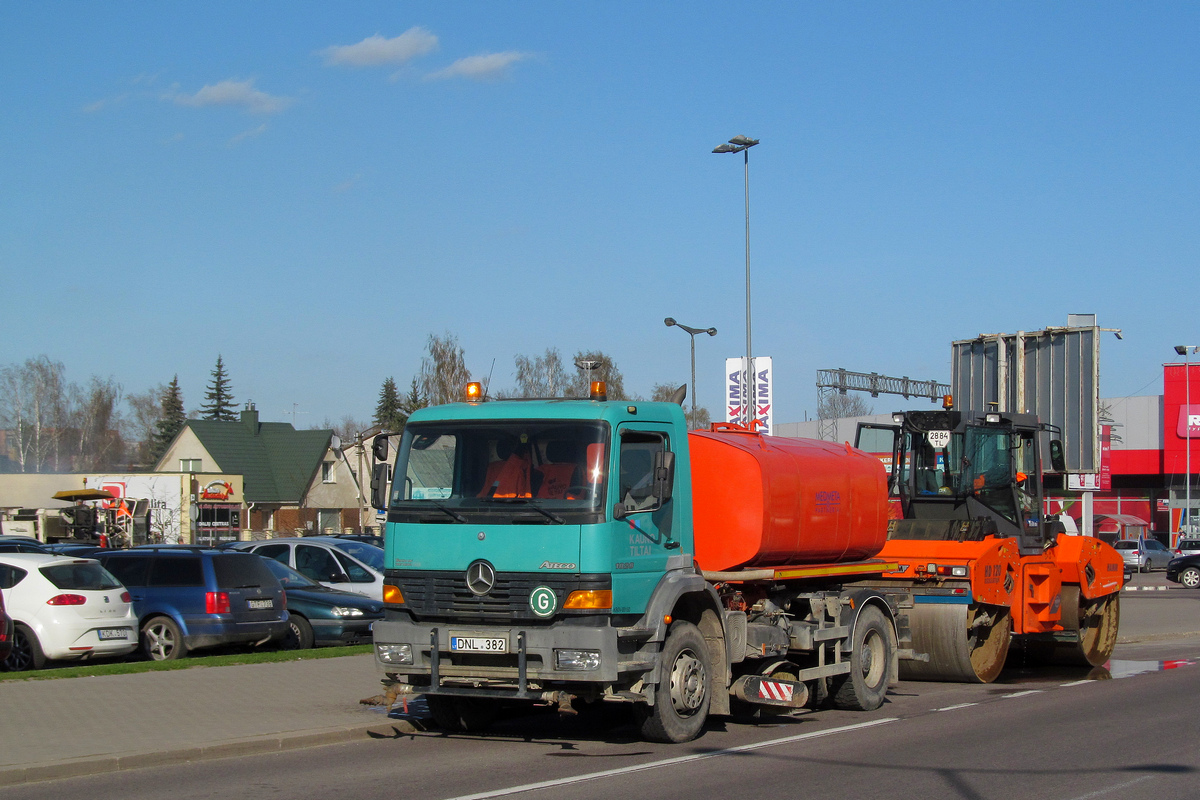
<point x="1149" y="588"/>
<point x="273" y="743"/>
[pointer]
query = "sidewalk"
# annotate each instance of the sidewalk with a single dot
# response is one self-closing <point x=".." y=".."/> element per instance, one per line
<point x="80" y="726"/>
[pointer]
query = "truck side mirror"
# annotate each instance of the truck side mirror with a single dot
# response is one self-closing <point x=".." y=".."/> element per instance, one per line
<point x="664" y="474"/>
<point x="379" y="448"/>
<point x="1057" y="462"/>
<point x="379" y="485"/>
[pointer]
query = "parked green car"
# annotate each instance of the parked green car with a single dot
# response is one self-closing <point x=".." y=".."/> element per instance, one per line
<point x="319" y="615"/>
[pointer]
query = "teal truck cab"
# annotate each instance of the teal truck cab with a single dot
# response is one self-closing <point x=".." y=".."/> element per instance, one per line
<point x="546" y="551"/>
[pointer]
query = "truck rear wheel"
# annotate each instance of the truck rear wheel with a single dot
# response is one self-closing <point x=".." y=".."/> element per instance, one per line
<point x="462" y="714"/>
<point x="871" y="657"/>
<point x="685" y="687"/>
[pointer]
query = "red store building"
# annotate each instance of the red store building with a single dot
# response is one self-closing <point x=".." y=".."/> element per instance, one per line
<point x="1149" y="461"/>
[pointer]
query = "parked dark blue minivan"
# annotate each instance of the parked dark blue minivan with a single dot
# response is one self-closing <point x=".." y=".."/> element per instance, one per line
<point x="187" y="598"/>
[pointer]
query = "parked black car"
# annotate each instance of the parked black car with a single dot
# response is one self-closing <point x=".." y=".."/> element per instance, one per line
<point x="186" y="598"/>
<point x="1185" y="570"/>
<point x="318" y="615"/>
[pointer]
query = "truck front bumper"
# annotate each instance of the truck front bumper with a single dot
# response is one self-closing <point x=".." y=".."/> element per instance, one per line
<point x="534" y="659"/>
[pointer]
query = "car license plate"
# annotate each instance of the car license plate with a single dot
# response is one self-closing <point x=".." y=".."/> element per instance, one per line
<point x="113" y="633"/>
<point x="261" y="603"/>
<point x="478" y="644"/>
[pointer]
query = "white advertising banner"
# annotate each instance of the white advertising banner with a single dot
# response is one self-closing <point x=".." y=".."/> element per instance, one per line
<point x="758" y="396"/>
<point x="165" y="493"/>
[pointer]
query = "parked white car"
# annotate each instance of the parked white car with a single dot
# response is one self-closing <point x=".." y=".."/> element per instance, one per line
<point x="344" y="564"/>
<point x="64" y="609"/>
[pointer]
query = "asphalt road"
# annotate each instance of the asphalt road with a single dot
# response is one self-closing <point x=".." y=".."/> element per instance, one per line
<point x="1063" y="735"/>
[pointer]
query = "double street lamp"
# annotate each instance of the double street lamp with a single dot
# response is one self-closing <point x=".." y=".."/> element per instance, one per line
<point x="742" y="144"/>
<point x="1184" y="350"/>
<point x="691" y="332"/>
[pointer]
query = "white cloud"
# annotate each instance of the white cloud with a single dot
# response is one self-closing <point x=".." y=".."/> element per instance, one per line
<point x="376" y="50"/>
<point x="481" y="67"/>
<point x="250" y="134"/>
<point x="232" y="93"/>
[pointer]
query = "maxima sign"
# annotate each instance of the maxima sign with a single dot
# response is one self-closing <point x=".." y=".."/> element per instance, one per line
<point x="758" y="395"/>
<point x="1189" y="422"/>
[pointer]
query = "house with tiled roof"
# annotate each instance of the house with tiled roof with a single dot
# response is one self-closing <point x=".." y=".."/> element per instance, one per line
<point x="293" y="481"/>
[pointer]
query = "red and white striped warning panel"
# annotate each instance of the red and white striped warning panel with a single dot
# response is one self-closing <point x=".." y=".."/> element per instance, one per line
<point x="772" y="690"/>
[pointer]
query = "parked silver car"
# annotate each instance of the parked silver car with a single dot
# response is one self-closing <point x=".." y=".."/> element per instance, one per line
<point x="337" y="563"/>
<point x="1187" y="547"/>
<point x="1144" y="554"/>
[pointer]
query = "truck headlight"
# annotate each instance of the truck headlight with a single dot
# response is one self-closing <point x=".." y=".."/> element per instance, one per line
<point x="346" y="611"/>
<point x="394" y="653"/>
<point x="577" y="659"/>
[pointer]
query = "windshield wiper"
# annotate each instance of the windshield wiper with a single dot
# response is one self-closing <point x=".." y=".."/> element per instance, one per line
<point x="453" y="514"/>
<point x="550" y="515"/>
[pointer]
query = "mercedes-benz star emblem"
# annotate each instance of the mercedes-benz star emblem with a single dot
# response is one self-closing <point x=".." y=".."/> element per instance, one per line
<point x="481" y="577"/>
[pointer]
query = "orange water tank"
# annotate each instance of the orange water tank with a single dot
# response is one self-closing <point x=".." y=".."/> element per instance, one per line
<point x="763" y="501"/>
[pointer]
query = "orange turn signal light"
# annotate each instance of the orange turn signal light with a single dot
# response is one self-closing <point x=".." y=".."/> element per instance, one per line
<point x="392" y="595"/>
<point x="589" y="598"/>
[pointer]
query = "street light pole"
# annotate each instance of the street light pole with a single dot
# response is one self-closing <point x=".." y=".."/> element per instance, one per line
<point x="742" y="144"/>
<point x="1184" y="350"/>
<point x="691" y="332"/>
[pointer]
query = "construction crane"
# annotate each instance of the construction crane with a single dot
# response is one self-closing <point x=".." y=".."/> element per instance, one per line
<point x="840" y="381"/>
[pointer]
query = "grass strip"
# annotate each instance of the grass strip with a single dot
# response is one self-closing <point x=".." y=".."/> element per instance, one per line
<point x="230" y="659"/>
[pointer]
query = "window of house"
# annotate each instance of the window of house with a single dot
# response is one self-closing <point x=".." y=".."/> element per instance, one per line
<point x="327" y="473"/>
<point x="190" y="465"/>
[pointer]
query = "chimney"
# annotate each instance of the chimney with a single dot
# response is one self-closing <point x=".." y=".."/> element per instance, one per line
<point x="250" y="418"/>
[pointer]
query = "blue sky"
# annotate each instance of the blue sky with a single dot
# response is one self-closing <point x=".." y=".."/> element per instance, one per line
<point x="310" y="189"/>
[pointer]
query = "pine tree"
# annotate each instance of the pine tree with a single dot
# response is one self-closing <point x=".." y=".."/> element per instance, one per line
<point x="414" y="400"/>
<point x="171" y="422"/>
<point x="220" y="402"/>
<point x="388" y="414"/>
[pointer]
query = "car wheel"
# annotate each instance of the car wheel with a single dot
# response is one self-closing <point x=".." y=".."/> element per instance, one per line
<point x="299" y="634"/>
<point x="26" y="651"/>
<point x="1190" y="577"/>
<point x="162" y="640"/>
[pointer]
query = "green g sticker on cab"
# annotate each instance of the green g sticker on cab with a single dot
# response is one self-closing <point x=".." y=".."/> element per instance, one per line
<point x="543" y="601"/>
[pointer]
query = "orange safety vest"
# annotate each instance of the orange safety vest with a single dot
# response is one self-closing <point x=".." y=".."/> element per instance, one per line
<point x="508" y="478"/>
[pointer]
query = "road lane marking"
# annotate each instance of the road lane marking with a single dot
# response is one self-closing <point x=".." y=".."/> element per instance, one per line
<point x="955" y="708"/>
<point x="668" y="762"/>
<point x="1076" y="683"/>
<point x="1023" y="694"/>
<point x="1111" y="789"/>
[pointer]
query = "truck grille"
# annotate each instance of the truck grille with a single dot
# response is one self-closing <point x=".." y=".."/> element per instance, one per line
<point x="440" y="595"/>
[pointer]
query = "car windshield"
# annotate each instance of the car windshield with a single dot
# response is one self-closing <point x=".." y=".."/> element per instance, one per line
<point x="80" y="576"/>
<point x="369" y="554"/>
<point x="288" y="576"/>
<point x="501" y="471"/>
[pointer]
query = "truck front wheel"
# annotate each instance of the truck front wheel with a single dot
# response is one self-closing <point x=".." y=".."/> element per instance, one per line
<point x="871" y="659"/>
<point x="685" y="686"/>
<point x="461" y="714"/>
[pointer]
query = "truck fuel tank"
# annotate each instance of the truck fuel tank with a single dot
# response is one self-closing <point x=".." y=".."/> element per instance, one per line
<point x="763" y="501"/>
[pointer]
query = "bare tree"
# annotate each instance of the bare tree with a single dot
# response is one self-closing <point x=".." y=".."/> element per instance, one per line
<point x="541" y="376"/>
<point x="95" y="418"/>
<point x="444" y="373"/>
<point x="33" y="407"/>
<point x="140" y="425"/>
<point x="605" y="370"/>
<point x="838" y="406"/>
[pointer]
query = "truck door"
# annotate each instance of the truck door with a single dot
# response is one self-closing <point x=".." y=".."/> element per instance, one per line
<point x="646" y="536"/>
<point x="883" y="442"/>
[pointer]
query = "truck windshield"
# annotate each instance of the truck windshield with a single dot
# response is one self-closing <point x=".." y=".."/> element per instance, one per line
<point x="526" y="472"/>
